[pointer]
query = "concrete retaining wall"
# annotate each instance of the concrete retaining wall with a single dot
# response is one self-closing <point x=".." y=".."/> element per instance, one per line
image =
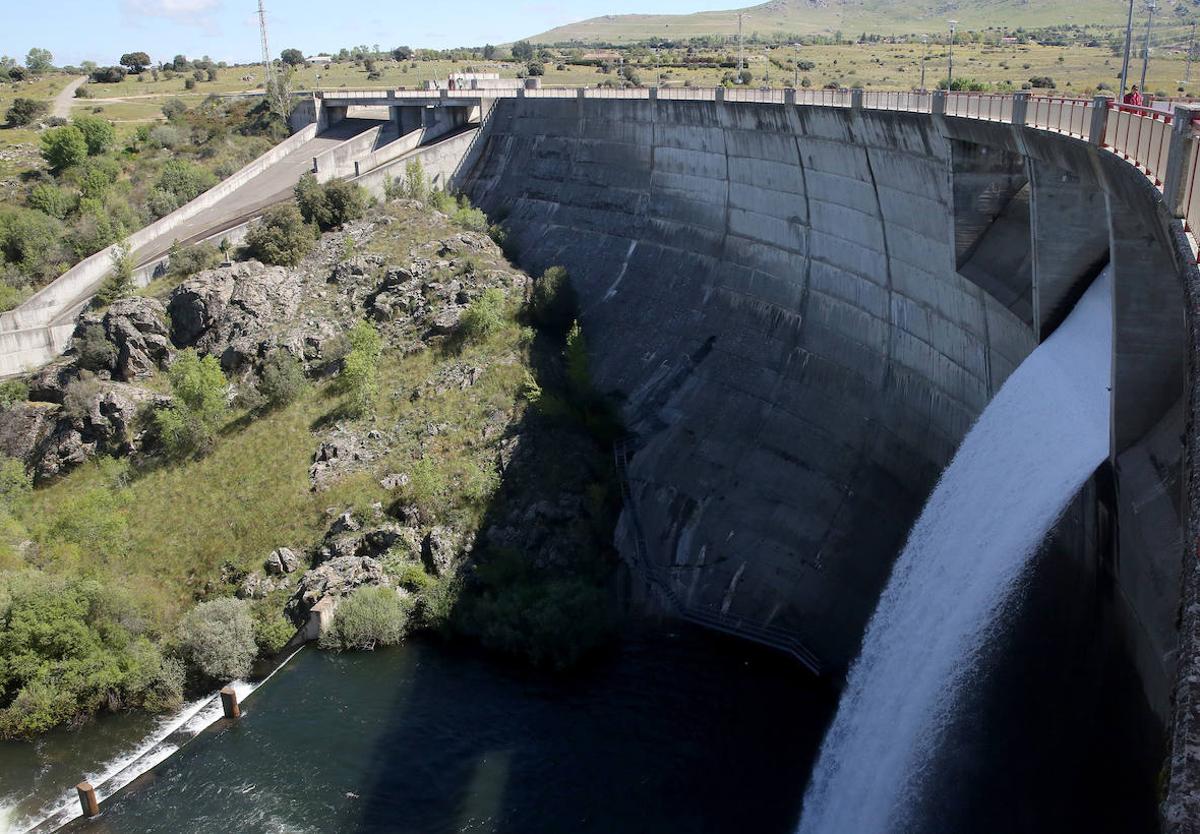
<point x="53" y="300"/>
<point x="442" y="162"/>
<point x="339" y="161"/>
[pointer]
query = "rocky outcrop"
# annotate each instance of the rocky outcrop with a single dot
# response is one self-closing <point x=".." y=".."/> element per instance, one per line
<point x="100" y="419"/>
<point x="336" y="578"/>
<point x="237" y="312"/>
<point x="281" y="561"/>
<point x="24" y="427"/>
<point x="136" y="328"/>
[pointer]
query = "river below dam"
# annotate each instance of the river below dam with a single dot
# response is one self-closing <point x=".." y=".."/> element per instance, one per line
<point x="671" y="731"/>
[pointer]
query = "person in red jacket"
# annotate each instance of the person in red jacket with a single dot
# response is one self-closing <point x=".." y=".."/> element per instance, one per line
<point x="1134" y="97"/>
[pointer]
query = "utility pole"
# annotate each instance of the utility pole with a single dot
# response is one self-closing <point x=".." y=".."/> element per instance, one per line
<point x="924" y="60"/>
<point x="1150" y="8"/>
<point x="950" y="71"/>
<point x="1187" y="77"/>
<point x="1128" y="48"/>
<point x="741" y="50"/>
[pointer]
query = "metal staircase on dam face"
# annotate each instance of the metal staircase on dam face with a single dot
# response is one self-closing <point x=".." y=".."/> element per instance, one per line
<point x="766" y="635"/>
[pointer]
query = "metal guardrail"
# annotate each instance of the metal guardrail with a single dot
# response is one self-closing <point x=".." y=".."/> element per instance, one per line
<point x="771" y="636"/>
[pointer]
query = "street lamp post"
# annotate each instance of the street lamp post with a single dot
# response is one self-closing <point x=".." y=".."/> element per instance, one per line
<point x="950" y="70"/>
<point x="924" y="60"/>
<point x="1150" y="8"/>
<point x="1128" y="48"/>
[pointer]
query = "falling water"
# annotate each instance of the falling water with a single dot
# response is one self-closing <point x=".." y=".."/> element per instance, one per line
<point x="1030" y="452"/>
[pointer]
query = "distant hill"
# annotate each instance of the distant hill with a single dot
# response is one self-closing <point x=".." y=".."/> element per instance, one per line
<point x="882" y="17"/>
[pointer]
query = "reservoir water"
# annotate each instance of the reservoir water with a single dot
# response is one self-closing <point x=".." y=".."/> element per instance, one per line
<point x="670" y="732"/>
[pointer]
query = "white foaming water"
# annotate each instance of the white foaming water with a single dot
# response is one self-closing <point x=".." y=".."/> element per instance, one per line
<point x="168" y="735"/>
<point x="1026" y="457"/>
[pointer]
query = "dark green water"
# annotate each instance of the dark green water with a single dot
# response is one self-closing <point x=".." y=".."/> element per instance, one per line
<point x="672" y="732"/>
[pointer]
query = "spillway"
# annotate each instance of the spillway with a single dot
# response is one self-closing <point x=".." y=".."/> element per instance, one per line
<point x="1020" y="465"/>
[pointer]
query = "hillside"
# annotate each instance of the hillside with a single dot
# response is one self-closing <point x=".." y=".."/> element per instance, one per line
<point x="850" y="16"/>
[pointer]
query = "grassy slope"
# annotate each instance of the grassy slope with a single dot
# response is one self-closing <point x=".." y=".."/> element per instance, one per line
<point x="252" y="493"/>
<point x="873" y="16"/>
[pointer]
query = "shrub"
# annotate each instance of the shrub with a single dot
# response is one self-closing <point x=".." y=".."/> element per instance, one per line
<point x="13" y="391"/>
<point x="93" y="349"/>
<point x="359" y="379"/>
<point x="483" y="317"/>
<point x="471" y="218"/>
<point x="63" y="147"/>
<point x="174" y="109"/>
<point x="184" y="261"/>
<point x="97" y="133"/>
<point x="425" y="486"/>
<point x="551" y="621"/>
<point x="187" y="426"/>
<point x="28" y="239"/>
<point x="25" y="111"/>
<point x="368" y="618"/>
<point x="184" y="179"/>
<point x="52" y="200"/>
<point x="15" y="482"/>
<point x="217" y="638"/>
<point x="440" y="200"/>
<point x="189" y="83"/>
<point x="331" y="205"/>
<point x="95" y="176"/>
<point x="415" y="185"/>
<point x="70" y="650"/>
<point x="82" y="91"/>
<point x="1042" y="82"/>
<point x="119" y="282"/>
<point x="272" y="631"/>
<point x="282" y="237"/>
<point x="553" y="304"/>
<point x="108" y="75"/>
<point x="282" y="378"/>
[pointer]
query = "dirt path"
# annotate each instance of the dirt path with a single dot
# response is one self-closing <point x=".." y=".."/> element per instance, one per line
<point x="62" y="102"/>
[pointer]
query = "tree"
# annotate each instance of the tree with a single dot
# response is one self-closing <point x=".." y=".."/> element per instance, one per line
<point x="292" y="57"/>
<point x="553" y="303"/>
<point x="282" y="378"/>
<point x="331" y="205"/>
<point x="135" y="61"/>
<point x="522" y="51"/>
<point x="108" y="75"/>
<point x="185" y="180"/>
<point x="119" y="282"/>
<point x="180" y="63"/>
<point x="187" y="426"/>
<point x="39" y="60"/>
<point x="402" y="53"/>
<point x="24" y="111"/>
<point x="483" y="317"/>
<point x="217" y="637"/>
<point x="369" y="617"/>
<point x="50" y="199"/>
<point x="98" y="133"/>
<point x="64" y="146"/>
<point x="174" y="109"/>
<point x="282" y="237"/>
<point x="489" y="52"/>
<point x="535" y="69"/>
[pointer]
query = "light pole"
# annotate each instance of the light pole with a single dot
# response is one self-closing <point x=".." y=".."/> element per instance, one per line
<point x="950" y="71"/>
<point x="1128" y="47"/>
<point x="1151" y="8"/>
<point x="1187" y="76"/>
<point x="741" y="51"/>
<point x="924" y="60"/>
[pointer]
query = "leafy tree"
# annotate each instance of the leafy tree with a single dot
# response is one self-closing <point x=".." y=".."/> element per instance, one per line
<point x="282" y="378"/>
<point x="522" y="51"/>
<point x="332" y="204"/>
<point x="187" y="426"/>
<point x="489" y="52"/>
<point x="282" y="237"/>
<point x="108" y="75"/>
<point x="51" y="199"/>
<point x="25" y="111"/>
<point x="184" y="261"/>
<point x="217" y="638"/>
<point x="553" y="303"/>
<point x="135" y="61"/>
<point x="292" y="57"/>
<point x="28" y="239"/>
<point x="535" y="68"/>
<point x="184" y="179"/>
<point x="39" y="60"/>
<point x="64" y="146"/>
<point x="180" y="63"/>
<point x="119" y="282"/>
<point x="402" y="53"/>
<point x="98" y="133"/>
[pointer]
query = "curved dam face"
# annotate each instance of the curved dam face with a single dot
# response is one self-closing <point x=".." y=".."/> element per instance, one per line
<point x="804" y="309"/>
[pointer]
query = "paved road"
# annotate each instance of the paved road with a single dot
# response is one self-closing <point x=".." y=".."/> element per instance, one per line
<point x="62" y="102"/>
<point x="271" y="186"/>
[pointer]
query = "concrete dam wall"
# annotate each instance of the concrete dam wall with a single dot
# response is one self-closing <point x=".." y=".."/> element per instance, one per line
<point x="803" y="309"/>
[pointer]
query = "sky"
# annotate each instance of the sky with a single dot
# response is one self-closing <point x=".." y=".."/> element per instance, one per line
<point x="227" y="30"/>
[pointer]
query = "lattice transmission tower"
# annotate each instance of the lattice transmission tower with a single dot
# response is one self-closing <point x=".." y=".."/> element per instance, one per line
<point x="270" y="81"/>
